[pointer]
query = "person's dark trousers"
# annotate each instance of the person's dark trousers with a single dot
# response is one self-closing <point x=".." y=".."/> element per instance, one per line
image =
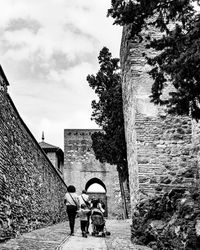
<point x="84" y="226"/>
<point x="71" y="211"/>
<point x="88" y="222"/>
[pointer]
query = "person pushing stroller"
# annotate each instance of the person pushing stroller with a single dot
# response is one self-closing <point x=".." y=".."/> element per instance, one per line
<point x="98" y="221"/>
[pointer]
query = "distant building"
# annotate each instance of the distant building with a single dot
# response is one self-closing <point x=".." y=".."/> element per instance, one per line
<point x="83" y="170"/>
<point x="55" y="155"/>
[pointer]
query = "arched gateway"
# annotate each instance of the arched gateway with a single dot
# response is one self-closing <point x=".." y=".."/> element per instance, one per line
<point x="82" y="170"/>
<point x="97" y="190"/>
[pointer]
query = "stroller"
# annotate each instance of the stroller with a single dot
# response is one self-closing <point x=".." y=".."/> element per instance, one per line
<point x="98" y="223"/>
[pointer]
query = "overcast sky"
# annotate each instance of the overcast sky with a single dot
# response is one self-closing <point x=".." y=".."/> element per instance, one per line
<point x="47" y="49"/>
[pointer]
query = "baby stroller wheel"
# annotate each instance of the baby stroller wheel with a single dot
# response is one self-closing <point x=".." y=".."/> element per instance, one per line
<point x="107" y="233"/>
<point x="103" y="235"/>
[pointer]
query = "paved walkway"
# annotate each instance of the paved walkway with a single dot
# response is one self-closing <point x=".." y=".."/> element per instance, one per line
<point x="118" y="240"/>
<point x="47" y="238"/>
<point x="57" y="237"/>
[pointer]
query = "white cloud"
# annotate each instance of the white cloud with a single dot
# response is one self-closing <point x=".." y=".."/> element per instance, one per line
<point x="47" y="49"/>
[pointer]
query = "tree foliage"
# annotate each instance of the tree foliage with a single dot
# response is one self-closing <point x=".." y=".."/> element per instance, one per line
<point x="178" y="61"/>
<point x="109" y="145"/>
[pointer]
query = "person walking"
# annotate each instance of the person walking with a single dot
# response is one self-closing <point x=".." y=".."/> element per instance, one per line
<point x="98" y="204"/>
<point x="84" y="200"/>
<point x="72" y="204"/>
<point x="101" y="206"/>
<point x="83" y="212"/>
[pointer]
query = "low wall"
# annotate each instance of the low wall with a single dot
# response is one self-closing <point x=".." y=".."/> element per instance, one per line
<point x="31" y="190"/>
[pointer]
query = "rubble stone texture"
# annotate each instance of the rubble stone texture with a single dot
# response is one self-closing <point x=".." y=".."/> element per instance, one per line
<point x="168" y="222"/>
<point x="161" y="149"/>
<point x="31" y="190"/>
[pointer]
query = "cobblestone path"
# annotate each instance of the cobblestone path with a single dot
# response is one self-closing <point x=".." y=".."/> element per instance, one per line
<point x="120" y="236"/>
<point x="47" y="238"/>
<point x="118" y="240"/>
<point x="56" y="238"/>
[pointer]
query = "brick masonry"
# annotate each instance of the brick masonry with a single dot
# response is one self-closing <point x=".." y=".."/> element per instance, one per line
<point x="31" y="190"/>
<point x="82" y="169"/>
<point x="161" y="148"/>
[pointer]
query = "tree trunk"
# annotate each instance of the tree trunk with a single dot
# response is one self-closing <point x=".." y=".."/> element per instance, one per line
<point x="125" y="210"/>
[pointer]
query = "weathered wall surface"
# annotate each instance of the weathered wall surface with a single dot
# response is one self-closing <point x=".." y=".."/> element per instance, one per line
<point x="80" y="167"/>
<point x="129" y="109"/>
<point x="31" y="190"/>
<point x="52" y="157"/>
<point x="196" y="143"/>
<point x="165" y="153"/>
<point x="160" y="147"/>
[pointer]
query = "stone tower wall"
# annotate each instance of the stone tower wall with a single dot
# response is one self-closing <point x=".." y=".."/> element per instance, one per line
<point x="160" y="146"/>
<point x="31" y="190"/>
<point x="52" y="157"/>
<point x="80" y="166"/>
<point x="196" y="143"/>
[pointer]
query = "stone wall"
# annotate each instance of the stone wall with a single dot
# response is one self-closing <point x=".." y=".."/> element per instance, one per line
<point x="52" y="157"/>
<point x="160" y="147"/>
<point x="129" y="104"/>
<point x="196" y="143"/>
<point x="81" y="167"/>
<point x="164" y="153"/>
<point x="31" y="190"/>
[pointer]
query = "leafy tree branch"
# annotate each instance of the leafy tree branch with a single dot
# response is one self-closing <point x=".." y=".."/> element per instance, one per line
<point x="178" y="61"/>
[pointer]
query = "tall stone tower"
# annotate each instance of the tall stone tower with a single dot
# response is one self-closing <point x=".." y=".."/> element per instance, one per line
<point x="81" y="169"/>
<point x="160" y="146"/>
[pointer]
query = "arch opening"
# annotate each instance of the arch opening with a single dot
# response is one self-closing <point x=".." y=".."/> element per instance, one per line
<point x="95" y="185"/>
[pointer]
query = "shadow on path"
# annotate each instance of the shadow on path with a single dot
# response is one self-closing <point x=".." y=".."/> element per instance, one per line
<point x="47" y="238"/>
<point x="118" y="240"/>
<point x="56" y="237"/>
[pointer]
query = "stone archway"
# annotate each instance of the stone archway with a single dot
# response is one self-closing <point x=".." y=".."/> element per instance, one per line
<point x="82" y="169"/>
<point x="95" y="181"/>
<point x="97" y="190"/>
